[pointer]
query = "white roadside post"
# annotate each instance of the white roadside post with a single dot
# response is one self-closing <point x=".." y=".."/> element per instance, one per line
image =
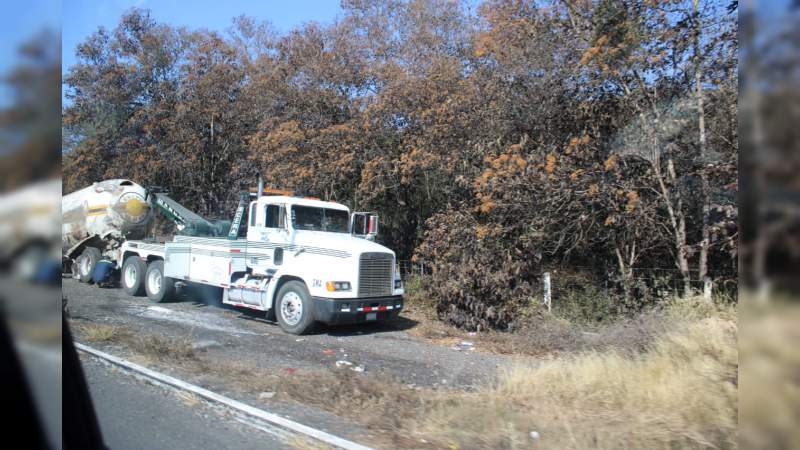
<point x="707" y="288"/>
<point x="546" y="282"/>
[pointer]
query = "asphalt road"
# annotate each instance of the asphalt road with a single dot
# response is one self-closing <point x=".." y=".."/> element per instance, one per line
<point x="137" y="415"/>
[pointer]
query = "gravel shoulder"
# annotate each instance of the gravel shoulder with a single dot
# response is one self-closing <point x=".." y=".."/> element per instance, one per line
<point x="240" y="334"/>
<point x="224" y="337"/>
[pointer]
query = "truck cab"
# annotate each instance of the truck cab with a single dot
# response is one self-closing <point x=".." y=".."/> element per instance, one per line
<point x="299" y="259"/>
<point x="312" y="260"/>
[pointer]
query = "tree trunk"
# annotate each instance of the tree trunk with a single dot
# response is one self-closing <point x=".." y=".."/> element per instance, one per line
<point x="678" y="222"/>
<point x="675" y="212"/>
<point x="705" y="242"/>
<point x="626" y="272"/>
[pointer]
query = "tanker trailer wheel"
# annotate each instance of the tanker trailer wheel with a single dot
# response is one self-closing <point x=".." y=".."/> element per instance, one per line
<point x="159" y="288"/>
<point x="86" y="263"/>
<point x="293" y="308"/>
<point x="132" y="277"/>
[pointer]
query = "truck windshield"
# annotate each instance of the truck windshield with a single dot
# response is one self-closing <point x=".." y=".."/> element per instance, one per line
<point x="320" y="219"/>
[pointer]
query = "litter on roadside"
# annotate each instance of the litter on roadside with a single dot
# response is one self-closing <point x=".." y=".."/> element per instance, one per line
<point x="463" y="345"/>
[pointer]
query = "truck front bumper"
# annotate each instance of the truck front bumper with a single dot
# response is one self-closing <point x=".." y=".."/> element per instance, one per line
<point x="356" y="310"/>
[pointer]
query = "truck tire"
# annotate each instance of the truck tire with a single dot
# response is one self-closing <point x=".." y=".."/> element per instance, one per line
<point x="132" y="276"/>
<point x="293" y="308"/>
<point x="159" y="288"/>
<point x="86" y="263"/>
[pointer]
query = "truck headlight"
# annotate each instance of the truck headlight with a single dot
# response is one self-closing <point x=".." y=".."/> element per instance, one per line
<point x="337" y="286"/>
<point x="398" y="284"/>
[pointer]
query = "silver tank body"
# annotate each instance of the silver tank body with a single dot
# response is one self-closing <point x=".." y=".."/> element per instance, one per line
<point x="112" y="210"/>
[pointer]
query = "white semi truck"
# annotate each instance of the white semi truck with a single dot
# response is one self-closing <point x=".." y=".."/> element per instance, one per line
<point x="298" y="259"/>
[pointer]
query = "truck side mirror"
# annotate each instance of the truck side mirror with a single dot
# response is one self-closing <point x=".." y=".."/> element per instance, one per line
<point x="364" y="225"/>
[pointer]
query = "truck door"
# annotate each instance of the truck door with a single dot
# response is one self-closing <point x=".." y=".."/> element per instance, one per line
<point x="266" y="241"/>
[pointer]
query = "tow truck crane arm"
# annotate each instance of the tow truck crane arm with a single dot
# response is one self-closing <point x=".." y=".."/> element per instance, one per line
<point x="187" y="221"/>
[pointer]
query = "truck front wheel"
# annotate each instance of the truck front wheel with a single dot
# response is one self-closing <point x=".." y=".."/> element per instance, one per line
<point x="159" y="288"/>
<point x="133" y="270"/>
<point x="293" y="308"/>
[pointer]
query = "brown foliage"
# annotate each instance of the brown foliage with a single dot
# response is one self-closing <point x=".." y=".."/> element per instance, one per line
<point x="494" y="145"/>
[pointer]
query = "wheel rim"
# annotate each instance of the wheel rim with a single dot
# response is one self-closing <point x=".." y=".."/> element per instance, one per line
<point x="130" y="275"/>
<point x="85" y="263"/>
<point x="154" y="281"/>
<point x="291" y="308"/>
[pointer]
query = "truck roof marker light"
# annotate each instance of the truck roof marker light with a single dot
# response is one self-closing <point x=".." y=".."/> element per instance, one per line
<point x="273" y="191"/>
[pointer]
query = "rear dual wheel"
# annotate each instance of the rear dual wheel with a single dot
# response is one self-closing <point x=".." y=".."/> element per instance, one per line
<point x="140" y="278"/>
<point x="159" y="288"/>
<point x="133" y="271"/>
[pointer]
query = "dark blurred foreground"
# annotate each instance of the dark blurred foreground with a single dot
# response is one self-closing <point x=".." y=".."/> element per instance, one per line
<point x="30" y="164"/>
<point x="769" y="111"/>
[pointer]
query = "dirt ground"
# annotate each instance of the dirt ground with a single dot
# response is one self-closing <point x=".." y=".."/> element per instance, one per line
<point x="337" y="378"/>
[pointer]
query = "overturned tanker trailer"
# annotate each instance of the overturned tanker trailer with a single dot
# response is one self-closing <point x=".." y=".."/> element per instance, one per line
<point x="97" y="219"/>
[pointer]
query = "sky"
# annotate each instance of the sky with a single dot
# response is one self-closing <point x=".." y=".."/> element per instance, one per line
<point x="19" y="21"/>
<point x="83" y="17"/>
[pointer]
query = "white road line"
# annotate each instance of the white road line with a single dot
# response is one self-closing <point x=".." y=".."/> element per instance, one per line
<point x="229" y="402"/>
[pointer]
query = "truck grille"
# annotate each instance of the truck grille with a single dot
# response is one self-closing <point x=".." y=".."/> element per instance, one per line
<point x="375" y="275"/>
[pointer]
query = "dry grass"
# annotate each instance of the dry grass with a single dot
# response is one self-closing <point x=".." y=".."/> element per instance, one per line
<point x="149" y="347"/>
<point x="770" y="363"/>
<point x="159" y="348"/>
<point x="301" y="442"/>
<point x="682" y="393"/>
<point x="662" y="381"/>
<point x="546" y="335"/>
<point x="374" y="399"/>
<point x="100" y="332"/>
<point x="189" y="399"/>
